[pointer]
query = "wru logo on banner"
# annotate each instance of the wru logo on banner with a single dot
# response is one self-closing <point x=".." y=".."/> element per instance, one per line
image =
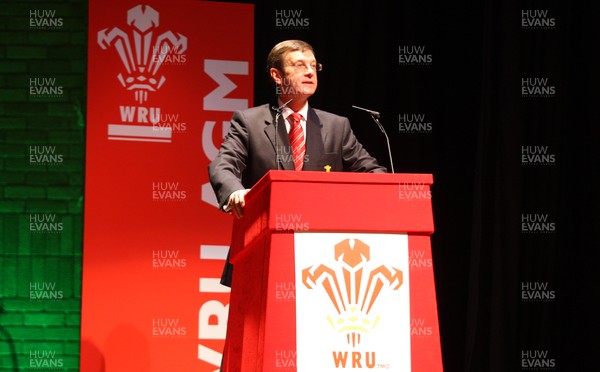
<point x="139" y="57"/>
<point x="142" y="52"/>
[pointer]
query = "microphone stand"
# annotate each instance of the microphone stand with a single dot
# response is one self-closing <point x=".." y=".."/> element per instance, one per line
<point x="277" y="115"/>
<point x="386" y="139"/>
<point x="375" y="116"/>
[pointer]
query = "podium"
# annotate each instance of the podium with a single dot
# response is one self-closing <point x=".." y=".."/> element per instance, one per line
<point x="333" y="271"/>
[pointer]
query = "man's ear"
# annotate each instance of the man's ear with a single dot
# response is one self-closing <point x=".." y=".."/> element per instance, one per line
<point x="276" y="75"/>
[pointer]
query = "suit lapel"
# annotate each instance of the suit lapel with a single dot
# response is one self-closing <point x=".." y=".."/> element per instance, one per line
<point x="283" y="142"/>
<point x="314" y="142"/>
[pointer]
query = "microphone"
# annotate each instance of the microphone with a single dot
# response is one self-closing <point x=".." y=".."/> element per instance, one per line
<point x="375" y="115"/>
<point x="278" y="110"/>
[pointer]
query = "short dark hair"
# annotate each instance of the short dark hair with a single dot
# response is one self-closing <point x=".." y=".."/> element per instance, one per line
<point x="275" y="57"/>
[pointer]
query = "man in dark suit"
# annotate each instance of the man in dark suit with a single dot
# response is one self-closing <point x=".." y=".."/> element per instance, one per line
<point x="306" y="138"/>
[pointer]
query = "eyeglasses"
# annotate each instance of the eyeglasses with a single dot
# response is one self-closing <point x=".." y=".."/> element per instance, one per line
<point x="300" y="66"/>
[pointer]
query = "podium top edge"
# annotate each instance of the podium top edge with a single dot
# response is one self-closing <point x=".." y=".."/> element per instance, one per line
<point x="346" y="177"/>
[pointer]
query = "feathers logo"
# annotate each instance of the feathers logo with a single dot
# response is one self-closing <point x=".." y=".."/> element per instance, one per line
<point x="353" y="293"/>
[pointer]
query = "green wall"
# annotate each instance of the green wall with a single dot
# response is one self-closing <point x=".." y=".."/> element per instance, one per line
<point x="43" y="52"/>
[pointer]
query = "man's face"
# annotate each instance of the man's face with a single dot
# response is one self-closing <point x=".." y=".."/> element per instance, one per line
<point x="299" y="78"/>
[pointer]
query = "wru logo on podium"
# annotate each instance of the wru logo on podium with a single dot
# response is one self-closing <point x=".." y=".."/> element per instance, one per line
<point x="354" y="293"/>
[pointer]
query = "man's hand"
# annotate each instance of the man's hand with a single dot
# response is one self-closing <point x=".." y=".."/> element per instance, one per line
<point x="237" y="202"/>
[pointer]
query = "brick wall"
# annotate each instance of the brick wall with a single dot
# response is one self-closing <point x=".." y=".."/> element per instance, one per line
<point x="43" y="50"/>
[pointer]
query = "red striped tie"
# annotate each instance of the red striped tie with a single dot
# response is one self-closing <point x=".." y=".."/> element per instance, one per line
<point x="296" y="136"/>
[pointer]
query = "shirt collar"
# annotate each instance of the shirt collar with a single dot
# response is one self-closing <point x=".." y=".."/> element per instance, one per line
<point x="288" y="111"/>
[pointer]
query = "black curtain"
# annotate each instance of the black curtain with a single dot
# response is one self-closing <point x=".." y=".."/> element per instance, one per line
<point x="477" y="91"/>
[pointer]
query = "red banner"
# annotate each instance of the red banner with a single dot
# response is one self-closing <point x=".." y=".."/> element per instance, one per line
<point x="163" y="80"/>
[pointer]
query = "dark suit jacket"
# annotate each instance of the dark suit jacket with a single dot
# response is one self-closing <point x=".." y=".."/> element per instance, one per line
<point x="248" y="151"/>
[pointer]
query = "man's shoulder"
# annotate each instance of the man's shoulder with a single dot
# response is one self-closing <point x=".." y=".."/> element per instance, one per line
<point x="253" y="114"/>
<point x="256" y="109"/>
<point x="326" y="117"/>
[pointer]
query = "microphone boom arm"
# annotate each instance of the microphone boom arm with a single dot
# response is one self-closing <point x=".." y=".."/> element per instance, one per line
<point x="375" y="116"/>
